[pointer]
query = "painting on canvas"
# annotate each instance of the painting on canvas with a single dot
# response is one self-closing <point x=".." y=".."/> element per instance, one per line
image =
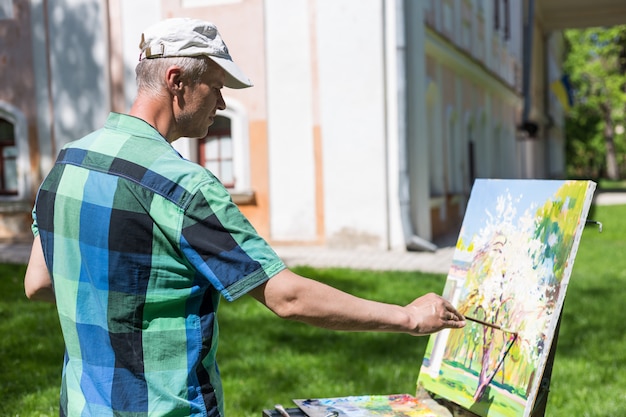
<point x="371" y="406"/>
<point x="509" y="273"/>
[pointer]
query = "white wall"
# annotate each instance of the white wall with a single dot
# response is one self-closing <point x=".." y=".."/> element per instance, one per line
<point x="78" y="67"/>
<point x="136" y="15"/>
<point x="352" y="110"/>
<point x="290" y="120"/>
<point x="395" y="85"/>
<point x="42" y="95"/>
<point x="71" y="78"/>
<point x="76" y="101"/>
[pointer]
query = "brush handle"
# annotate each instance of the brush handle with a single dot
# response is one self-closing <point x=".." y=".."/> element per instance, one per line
<point x="484" y="323"/>
<point x="281" y="410"/>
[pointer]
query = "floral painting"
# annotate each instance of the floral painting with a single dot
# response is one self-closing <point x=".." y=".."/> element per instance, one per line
<point x="509" y="274"/>
<point x="398" y="405"/>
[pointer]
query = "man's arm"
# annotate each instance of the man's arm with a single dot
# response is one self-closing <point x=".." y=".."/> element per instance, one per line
<point x="37" y="282"/>
<point x="294" y="297"/>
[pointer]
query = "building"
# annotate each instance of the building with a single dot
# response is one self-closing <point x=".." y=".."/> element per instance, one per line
<point x="368" y="122"/>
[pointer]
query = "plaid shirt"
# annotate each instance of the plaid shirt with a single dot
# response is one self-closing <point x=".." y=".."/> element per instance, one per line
<point x="140" y="244"/>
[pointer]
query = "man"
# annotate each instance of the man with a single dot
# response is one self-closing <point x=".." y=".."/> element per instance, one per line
<point x="136" y="244"/>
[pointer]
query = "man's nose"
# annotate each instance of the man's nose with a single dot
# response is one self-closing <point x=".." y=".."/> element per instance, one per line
<point x="221" y="104"/>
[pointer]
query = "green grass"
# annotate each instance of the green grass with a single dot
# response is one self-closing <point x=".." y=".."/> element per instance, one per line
<point x="589" y="378"/>
<point x="31" y="350"/>
<point x="612" y="185"/>
<point x="265" y="360"/>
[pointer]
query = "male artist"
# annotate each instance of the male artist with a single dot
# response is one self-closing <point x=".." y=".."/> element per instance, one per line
<point x="136" y="245"/>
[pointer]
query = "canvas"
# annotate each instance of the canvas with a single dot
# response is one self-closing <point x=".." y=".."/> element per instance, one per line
<point x="509" y="274"/>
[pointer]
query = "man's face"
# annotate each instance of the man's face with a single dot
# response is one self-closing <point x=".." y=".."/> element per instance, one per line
<point x="200" y="102"/>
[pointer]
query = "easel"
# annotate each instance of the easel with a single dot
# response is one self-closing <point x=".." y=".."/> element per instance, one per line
<point x="539" y="407"/>
<point x="293" y="412"/>
<point x="541" y="400"/>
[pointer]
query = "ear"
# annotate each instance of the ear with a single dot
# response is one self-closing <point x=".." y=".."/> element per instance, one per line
<point x="174" y="80"/>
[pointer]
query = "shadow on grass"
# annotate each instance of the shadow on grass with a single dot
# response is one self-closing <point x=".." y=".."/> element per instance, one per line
<point x="31" y="347"/>
<point x="260" y="355"/>
<point x="590" y="320"/>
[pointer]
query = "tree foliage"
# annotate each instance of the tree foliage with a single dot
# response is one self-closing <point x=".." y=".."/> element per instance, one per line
<point x="596" y="65"/>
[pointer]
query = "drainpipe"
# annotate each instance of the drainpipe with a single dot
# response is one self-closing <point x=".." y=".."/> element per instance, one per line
<point x="548" y="122"/>
<point x="528" y="48"/>
<point x="411" y="240"/>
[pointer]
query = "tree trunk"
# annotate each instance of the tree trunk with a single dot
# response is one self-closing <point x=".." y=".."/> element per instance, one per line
<point x="612" y="171"/>
<point x="622" y="65"/>
<point x="483" y="380"/>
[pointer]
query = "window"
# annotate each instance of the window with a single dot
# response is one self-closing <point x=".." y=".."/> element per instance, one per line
<point x="6" y="9"/>
<point x="225" y="151"/>
<point x="502" y="18"/>
<point x="216" y="151"/>
<point x="8" y="159"/>
<point x="455" y="157"/>
<point x="507" y="20"/>
<point x="437" y="147"/>
<point x="496" y="15"/>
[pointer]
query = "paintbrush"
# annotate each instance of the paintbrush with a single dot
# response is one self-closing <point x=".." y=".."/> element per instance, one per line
<point x="281" y="410"/>
<point x="494" y="326"/>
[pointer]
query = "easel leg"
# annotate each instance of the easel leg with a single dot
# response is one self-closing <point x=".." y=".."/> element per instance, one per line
<point x="539" y="408"/>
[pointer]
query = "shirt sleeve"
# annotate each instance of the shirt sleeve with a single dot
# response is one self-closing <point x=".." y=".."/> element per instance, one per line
<point x="34" y="227"/>
<point x="223" y="246"/>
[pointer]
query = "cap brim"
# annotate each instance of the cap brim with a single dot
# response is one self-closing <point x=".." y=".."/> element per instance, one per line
<point x="235" y="78"/>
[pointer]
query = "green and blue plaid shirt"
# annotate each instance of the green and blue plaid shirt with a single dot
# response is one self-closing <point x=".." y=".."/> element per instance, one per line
<point x="140" y="244"/>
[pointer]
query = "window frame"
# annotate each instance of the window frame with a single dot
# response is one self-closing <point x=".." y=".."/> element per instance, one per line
<point x="22" y="161"/>
<point x="236" y="112"/>
<point x="219" y="135"/>
<point x="8" y="142"/>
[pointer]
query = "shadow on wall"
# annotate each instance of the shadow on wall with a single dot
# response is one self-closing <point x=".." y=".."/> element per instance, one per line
<point x="77" y="66"/>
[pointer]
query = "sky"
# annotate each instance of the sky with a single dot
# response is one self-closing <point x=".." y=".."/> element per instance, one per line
<point x="486" y="192"/>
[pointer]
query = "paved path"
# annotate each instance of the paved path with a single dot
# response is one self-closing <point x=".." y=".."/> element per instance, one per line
<point x="436" y="262"/>
<point x="320" y="257"/>
<point x="609" y="198"/>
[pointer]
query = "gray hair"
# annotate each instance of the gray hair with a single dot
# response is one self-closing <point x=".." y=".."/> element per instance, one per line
<point x="150" y="71"/>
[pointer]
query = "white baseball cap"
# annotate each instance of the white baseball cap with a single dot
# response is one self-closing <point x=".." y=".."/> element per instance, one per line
<point x="180" y="37"/>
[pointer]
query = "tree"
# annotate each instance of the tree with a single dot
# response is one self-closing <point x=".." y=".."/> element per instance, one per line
<point x="596" y="64"/>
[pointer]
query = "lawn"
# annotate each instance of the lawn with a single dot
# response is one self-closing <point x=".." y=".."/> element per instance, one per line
<point x="265" y="360"/>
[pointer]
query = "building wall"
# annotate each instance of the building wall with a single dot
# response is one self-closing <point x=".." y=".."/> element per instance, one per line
<point x="73" y="80"/>
<point x="316" y="113"/>
<point x="358" y="129"/>
<point x="555" y="116"/>
<point x="293" y="119"/>
<point x="17" y="105"/>
<point x="351" y="57"/>
<point x="474" y="61"/>
<point x="241" y="24"/>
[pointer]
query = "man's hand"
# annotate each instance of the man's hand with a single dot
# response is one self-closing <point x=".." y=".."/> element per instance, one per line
<point x="432" y="313"/>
